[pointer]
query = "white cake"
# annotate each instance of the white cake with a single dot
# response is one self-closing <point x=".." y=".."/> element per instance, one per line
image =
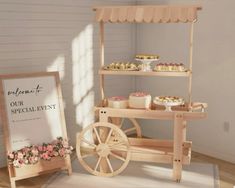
<point x="118" y="102"/>
<point x="140" y="100"/>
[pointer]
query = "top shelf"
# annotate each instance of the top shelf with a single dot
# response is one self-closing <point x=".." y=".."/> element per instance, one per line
<point x="142" y="73"/>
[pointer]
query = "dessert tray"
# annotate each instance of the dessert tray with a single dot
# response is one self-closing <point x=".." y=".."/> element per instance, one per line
<point x="170" y="67"/>
<point x="122" y="66"/>
<point x="168" y="101"/>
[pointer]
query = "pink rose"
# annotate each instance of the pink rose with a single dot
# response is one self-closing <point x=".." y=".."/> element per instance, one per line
<point x="20" y="155"/>
<point x="50" y="148"/>
<point x="51" y="154"/>
<point x="62" y="152"/>
<point x="45" y="156"/>
<point x="44" y="148"/>
<point x="40" y="148"/>
<point x="35" y="151"/>
<point x="25" y="150"/>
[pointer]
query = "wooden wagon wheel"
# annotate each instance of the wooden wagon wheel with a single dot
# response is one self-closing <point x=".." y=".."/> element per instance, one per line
<point x="134" y="129"/>
<point x="105" y="152"/>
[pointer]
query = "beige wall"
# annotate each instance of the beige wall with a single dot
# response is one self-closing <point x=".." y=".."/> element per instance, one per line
<point x="61" y="35"/>
<point x="213" y="73"/>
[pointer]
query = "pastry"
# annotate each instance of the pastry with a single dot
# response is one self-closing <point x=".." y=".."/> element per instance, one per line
<point x="140" y="100"/>
<point x="181" y="67"/>
<point x="169" y="100"/>
<point x="170" y="67"/>
<point x="146" y="56"/>
<point x="116" y="66"/>
<point x="118" y="102"/>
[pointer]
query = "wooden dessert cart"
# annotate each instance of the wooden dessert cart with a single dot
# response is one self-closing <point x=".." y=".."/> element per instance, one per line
<point x="106" y="142"/>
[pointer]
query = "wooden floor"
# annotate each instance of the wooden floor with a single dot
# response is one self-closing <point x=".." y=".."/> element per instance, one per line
<point x="226" y="170"/>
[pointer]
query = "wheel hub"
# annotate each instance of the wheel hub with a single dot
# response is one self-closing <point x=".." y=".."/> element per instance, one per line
<point x="103" y="150"/>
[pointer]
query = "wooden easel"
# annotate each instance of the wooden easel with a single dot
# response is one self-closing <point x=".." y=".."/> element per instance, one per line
<point x="42" y="167"/>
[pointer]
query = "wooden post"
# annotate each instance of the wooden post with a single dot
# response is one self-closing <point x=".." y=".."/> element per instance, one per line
<point x="102" y="60"/>
<point x="13" y="183"/>
<point x="103" y="135"/>
<point x="190" y="65"/>
<point x="184" y="130"/>
<point x="178" y="146"/>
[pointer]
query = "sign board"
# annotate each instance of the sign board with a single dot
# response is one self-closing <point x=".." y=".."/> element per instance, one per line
<point x="32" y="111"/>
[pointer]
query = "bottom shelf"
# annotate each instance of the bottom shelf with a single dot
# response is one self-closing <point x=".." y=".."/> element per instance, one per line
<point x="158" y="151"/>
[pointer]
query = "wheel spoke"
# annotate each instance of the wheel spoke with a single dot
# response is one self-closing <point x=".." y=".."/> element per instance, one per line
<point x="97" y="135"/>
<point x="89" y="155"/>
<point x="86" y="150"/>
<point x="117" y="156"/>
<point x="120" y="148"/>
<point x="121" y="124"/>
<point x="117" y="144"/>
<point x="129" y="130"/>
<point x="109" y="164"/>
<point x="108" y="137"/>
<point x="97" y="164"/>
<point x="88" y="142"/>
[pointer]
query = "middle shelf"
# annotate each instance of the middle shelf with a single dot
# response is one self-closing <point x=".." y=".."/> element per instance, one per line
<point x="147" y="73"/>
<point x="156" y="112"/>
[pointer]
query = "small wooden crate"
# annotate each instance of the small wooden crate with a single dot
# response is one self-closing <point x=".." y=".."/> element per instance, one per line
<point x="42" y="167"/>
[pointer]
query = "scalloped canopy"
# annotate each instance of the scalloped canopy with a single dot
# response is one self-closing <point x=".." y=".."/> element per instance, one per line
<point x="147" y="14"/>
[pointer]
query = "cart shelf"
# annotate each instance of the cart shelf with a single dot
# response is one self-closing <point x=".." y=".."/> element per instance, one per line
<point x="160" y="151"/>
<point x="156" y="112"/>
<point x="142" y="73"/>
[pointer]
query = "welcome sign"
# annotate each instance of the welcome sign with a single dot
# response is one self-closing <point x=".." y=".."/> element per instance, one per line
<point x="31" y="109"/>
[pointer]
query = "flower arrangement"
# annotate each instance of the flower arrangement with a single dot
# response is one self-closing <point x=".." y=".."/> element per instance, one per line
<point x="32" y="154"/>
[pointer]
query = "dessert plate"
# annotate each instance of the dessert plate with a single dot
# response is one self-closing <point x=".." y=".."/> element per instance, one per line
<point x="168" y="104"/>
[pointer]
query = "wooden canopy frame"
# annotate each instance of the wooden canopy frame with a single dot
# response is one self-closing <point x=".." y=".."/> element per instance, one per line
<point x="147" y="14"/>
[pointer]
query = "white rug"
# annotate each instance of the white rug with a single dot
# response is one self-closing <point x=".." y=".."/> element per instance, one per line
<point x="139" y="175"/>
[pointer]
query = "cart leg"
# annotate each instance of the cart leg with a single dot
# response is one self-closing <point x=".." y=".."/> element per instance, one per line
<point x="184" y="130"/>
<point x="179" y="134"/>
<point x="13" y="183"/>
<point x="69" y="166"/>
<point x="104" y="132"/>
